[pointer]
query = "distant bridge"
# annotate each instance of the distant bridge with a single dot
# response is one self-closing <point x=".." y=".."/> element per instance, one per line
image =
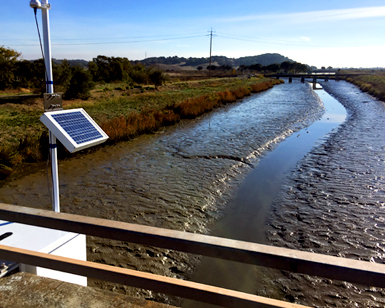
<point x="313" y="77"/>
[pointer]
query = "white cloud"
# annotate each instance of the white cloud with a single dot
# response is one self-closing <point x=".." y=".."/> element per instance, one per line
<point x="315" y="16"/>
<point x="305" y="38"/>
<point x="359" y="56"/>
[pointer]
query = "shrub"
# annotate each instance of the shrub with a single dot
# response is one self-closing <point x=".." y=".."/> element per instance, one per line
<point x="157" y="77"/>
<point x="373" y="84"/>
<point x="8" y="58"/>
<point x="80" y="85"/>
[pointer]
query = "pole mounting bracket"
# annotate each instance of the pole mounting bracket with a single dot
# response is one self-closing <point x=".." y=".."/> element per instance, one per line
<point x="53" y="101"/>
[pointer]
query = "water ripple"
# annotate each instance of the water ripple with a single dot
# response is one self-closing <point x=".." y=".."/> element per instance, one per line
<point x="333" y="204"/>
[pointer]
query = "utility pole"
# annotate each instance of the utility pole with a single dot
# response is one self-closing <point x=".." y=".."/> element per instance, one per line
<point x="211" y="44"/>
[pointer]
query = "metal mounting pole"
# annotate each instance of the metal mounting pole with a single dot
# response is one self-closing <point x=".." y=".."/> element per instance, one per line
<point x="49" y="86"/>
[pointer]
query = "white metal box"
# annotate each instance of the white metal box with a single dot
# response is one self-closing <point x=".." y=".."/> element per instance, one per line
<point x="55" y="242"/>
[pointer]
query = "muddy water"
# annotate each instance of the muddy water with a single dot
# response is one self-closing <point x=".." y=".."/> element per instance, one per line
<point x="333" y="203"/>
<point x="180" y="178"/>
<point x="246" y="213"/>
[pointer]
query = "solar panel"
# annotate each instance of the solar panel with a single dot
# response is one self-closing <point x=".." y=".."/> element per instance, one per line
<point x="74" y="128"/>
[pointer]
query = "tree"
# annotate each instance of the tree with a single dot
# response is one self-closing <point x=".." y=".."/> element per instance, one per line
<point x="23" y="74"/>
<point x="38" y="76"/>
<point x="110" y="69"/>
<point x="273" y="67"/>
<point x="8" y="58"/>
<point x="103" y="68"/>
<point x="226" y="67"/>
<point x="256" y="67"/>
<point x="93" y="69"/>
<point x="157" y="77"/>
<point x="286" y="66"/>
<point x="62" y="76"/>
<point x="299" y="67"/>
<point x="242" y="67"/>
<point x="139" y="74"/>
<point x="80" y="85"/>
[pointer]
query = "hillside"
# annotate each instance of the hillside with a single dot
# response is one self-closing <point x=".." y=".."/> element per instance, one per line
<point x="76" y="62"/>
<point x="180" y="63"/>
<point x="264" y="59"/>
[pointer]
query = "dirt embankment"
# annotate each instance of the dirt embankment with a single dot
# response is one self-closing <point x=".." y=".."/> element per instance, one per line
<point x="122" y="114"/>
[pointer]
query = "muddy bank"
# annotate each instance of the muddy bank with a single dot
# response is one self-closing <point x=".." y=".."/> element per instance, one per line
<point x="333" y="203"/>
<point x="179" y="178"/>
<point x="245" y="215"/>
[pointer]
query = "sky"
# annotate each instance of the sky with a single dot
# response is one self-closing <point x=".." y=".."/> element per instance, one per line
<point x="336" y="33"/>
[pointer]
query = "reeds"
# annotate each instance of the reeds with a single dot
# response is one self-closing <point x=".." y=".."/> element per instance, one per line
<point x="134" y="124"/>
<point x="28" y="151"/>
<point x="372" y="84"/>
<point x="143" y="115"/>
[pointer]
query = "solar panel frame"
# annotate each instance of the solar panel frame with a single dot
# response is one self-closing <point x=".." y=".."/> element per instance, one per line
<point x="74" y="128"/>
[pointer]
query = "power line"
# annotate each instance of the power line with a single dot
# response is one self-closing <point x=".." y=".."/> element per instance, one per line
<point x="266" y="40"/>
<point x="161" y="37"/>
<point x="116" y="42"/>
<point x="144" y="37"/>
<point x="131" y="37"/>
<point x="104" y="38"/>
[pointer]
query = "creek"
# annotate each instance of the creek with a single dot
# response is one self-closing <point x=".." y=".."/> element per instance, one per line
<point x="246" y="213"/>
<point x="195" y="175"/>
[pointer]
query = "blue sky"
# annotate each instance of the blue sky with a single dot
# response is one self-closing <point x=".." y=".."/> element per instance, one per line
<point x="337" y="33"/>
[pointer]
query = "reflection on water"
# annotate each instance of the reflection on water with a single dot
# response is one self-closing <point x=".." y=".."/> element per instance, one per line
<point x="334" y="118"/>
<point x="332" y="203"/>
<point x="246" y="214"/>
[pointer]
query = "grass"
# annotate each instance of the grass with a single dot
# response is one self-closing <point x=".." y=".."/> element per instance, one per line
<point x="122" y="112"/>
<point x="372" y="84"/>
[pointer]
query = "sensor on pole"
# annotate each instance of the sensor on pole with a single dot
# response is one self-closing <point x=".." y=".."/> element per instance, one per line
<point x="74" y="128"/>
<point x="35" y="4"/>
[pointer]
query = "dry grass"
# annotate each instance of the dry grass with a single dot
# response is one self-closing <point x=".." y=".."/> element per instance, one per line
<point x="372" y="84"/>
<point x="122" y="115"/>
<point x="131" y="125"/>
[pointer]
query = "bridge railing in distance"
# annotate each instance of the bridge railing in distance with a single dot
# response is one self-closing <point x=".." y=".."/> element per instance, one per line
<point x="361" y="272"/>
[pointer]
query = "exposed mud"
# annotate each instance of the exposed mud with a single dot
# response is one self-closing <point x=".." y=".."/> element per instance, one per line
<point x="333" y="203"/>
<point x="179" y="178"/>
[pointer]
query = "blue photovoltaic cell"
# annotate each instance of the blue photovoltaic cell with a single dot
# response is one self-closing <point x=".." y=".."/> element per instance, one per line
<point x="77" y="126"/>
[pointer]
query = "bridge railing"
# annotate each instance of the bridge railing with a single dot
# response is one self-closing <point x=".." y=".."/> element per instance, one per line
<point x="361" y="272"/>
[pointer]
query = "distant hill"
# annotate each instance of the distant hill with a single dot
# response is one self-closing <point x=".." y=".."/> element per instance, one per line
<point x="77" y="62"/>
<point x="264" y="59"/>
<point x="181" y="63"/>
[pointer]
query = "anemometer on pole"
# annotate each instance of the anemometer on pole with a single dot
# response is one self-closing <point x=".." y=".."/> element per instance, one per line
<point x="74" y="128"/>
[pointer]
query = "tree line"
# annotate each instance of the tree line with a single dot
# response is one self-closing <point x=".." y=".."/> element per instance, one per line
<point x="77" y="81"/>
<point x="286" y="66"/>
<point x="73" y="81"/>
<point x="264" y="59"/>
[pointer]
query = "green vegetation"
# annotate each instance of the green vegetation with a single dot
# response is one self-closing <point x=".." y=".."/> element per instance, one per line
<point x="73" y="81"/>
<point x="122" y="111"/>
<point x="373" y="84"/>
<point x="8" y="59"/>
<point x="114" y="92"/>
<point x="264" y="60"/>
<point x="80" y="84"/>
